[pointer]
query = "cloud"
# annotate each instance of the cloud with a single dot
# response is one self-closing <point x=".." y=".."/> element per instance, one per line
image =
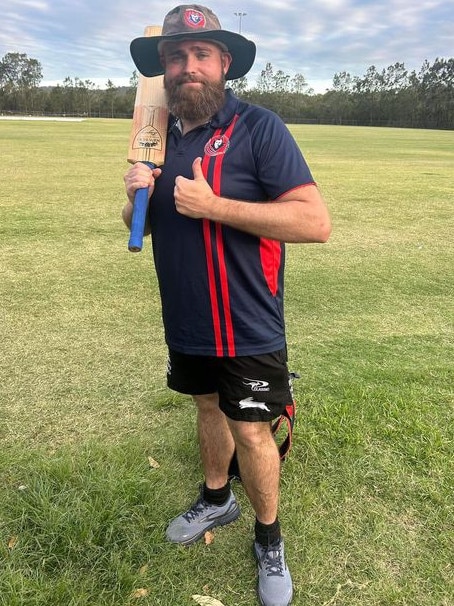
<point x="328" y="36"/>
<point x="90" y="39"/>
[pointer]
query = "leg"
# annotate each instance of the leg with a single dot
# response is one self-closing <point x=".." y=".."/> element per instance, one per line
<point x="215" y="440"/>
<point x="259" y="463"/>
<point x="216" y="450"/>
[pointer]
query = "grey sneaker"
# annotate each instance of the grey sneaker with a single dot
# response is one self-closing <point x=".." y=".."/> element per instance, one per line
<point x="275" y="583"/>
<point x="190" y="526"/>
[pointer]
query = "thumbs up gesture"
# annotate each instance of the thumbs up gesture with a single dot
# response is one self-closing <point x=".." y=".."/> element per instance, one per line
<point x="194" y="197"/>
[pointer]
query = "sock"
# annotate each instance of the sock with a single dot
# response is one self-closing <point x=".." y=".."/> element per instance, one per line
<point x="216" y="496"/>
<point x="266" y="534"/>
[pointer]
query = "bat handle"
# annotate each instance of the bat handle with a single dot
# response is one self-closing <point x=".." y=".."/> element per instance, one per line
<point x="139" y="214"/>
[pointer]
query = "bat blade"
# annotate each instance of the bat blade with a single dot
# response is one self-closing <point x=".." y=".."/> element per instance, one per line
<point x="147" y="142"/>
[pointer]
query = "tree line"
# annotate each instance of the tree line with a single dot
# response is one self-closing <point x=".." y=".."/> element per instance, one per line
<point x="389" y="97"/>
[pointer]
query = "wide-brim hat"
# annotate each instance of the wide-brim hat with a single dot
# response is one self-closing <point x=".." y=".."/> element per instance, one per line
<point x="193" y="21"/>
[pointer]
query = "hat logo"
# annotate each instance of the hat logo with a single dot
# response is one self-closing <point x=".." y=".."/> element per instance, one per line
<point x="194" y="18"/>
<point x="217" y="146"/>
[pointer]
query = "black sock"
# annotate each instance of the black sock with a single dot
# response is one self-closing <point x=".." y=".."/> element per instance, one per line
<point x="216" y="496"/>
<point x="266" y="534"/>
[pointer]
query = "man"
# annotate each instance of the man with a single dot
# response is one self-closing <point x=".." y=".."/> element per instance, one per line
<point x="233" y="189"/>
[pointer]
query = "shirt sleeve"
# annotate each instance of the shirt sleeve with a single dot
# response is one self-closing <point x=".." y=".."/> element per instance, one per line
<point x="280" y="164"/>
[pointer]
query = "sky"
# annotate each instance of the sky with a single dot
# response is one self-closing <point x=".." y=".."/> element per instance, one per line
<point x="89" y="39"/>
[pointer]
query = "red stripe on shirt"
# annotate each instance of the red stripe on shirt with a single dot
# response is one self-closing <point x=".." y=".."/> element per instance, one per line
<point x="219" y="243"/>
<point x="270" y="257"/>
<point x="211" y="275"/>
<point x="225" y="291"/>
<point x="220" y="250"/>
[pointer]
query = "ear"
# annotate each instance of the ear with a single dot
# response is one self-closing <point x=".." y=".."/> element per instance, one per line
<point x="226" y="59"/>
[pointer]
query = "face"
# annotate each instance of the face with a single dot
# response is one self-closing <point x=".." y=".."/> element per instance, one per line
<point x="194" y="78"/>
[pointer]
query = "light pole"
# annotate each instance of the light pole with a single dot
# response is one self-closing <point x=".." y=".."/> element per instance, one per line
<point x="240" y="16"/>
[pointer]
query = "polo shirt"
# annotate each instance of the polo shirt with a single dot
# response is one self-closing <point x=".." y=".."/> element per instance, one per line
<point x="222" y="289"/>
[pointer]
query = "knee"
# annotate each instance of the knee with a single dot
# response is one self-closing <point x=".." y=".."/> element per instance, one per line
<point x="250" y="435"/>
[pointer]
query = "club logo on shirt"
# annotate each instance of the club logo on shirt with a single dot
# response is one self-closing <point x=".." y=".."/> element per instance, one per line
<point x="217" y="146"/>
<point x="194" y="18"/>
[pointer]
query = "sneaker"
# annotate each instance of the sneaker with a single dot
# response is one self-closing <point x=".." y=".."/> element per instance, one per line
<point x="190" y="526"/>
<point x="275" y="583"/>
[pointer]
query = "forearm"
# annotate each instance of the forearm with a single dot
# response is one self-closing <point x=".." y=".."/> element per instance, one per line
<point x="286" y="221"/>
<point x="126" y="215"/>
<point x="300" y="215"/>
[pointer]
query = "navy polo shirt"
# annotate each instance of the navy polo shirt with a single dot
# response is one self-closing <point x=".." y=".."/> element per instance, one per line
<point x="222" y="289"/>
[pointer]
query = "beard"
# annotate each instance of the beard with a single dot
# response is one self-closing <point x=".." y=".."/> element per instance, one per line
<point x="194" y="104"/>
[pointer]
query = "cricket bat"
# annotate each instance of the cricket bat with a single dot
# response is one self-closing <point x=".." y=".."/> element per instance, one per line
<point x="147" y="142"/>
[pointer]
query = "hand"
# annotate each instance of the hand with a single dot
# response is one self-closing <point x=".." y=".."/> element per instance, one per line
<point x="194" y="197"/>
<point x="139" y="176"/>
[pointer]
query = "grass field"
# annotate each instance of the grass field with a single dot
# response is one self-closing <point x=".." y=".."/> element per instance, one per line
<point x="367" y="494"/>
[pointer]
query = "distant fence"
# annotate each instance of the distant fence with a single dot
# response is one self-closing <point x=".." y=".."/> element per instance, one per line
<point x="81" y="115"/>
<point x="286" y="119"/>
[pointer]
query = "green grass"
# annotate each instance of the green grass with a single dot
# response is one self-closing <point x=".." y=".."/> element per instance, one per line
<point x="367" y="493"/>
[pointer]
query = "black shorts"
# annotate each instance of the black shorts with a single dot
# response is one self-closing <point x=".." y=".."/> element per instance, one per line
<point x="250" y="388"/>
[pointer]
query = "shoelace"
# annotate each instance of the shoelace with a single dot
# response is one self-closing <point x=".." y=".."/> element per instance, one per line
<point x="272" y="561"/>
<point x="198" y="508"/>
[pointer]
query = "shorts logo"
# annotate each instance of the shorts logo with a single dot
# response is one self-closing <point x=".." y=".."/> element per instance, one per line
<point x="217" y="146"/>
<point x="194" y="18"/>
<point x="256" y="384"/>
<point x="251" y="403"/>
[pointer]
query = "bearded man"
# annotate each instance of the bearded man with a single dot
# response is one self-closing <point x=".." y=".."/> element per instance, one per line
<point x="234" y="188"/>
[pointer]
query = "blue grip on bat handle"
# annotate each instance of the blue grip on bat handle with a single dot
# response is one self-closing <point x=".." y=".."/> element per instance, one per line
<point x="139" y="214"/>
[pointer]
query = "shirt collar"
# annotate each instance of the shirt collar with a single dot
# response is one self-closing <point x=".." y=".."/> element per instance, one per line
<point x="227" y="112"/>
